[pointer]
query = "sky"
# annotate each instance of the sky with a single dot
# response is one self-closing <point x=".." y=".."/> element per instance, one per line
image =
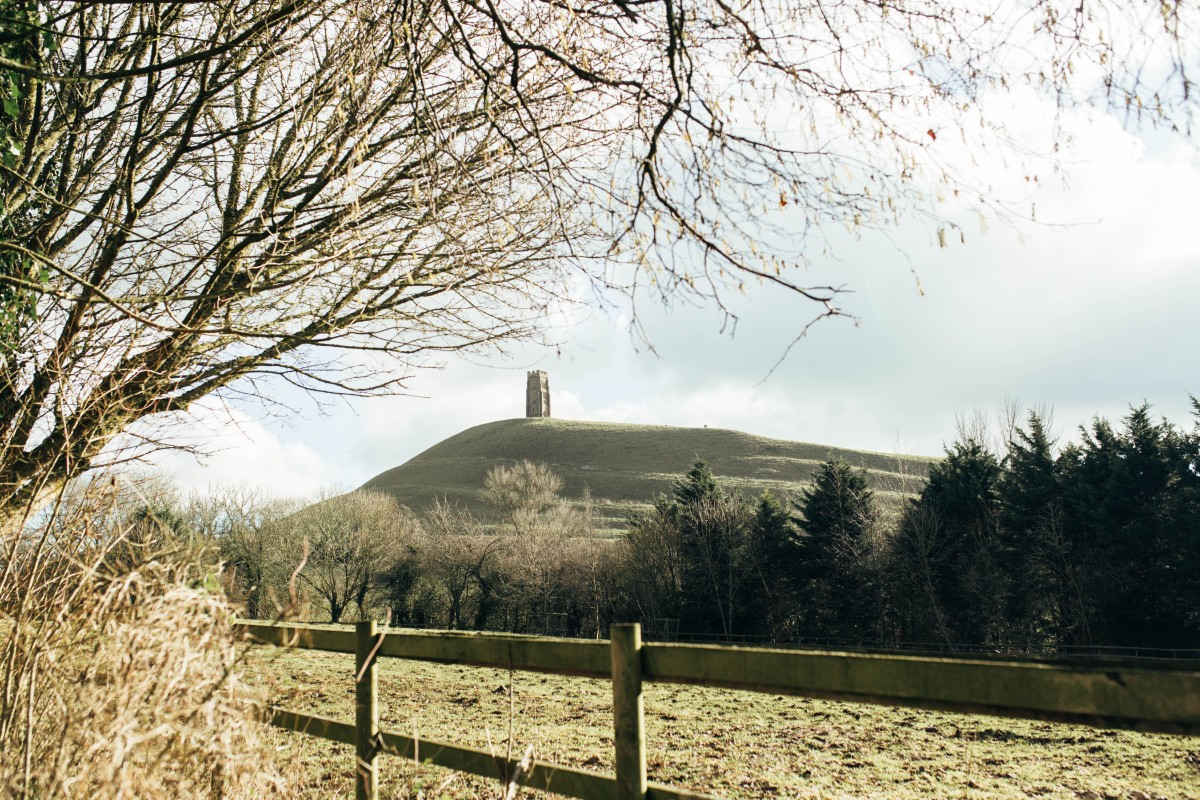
<point x="1091" y="309"/>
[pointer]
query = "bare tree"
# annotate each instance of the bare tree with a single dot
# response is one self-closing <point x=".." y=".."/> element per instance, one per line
<point x="300" y="189"/>
<point x="522" y="492"/>
<point x="537" y="558"/>
<point x="200" y="197"/>
<point x="458" y="559"/>
<point x="654" y="565"/>
<point x="715" y="533"/>
<point x="245" y="524"/>
<point x="595" y="583"/>
<point x="526" y="496"/>
<point x="351" y="541"/>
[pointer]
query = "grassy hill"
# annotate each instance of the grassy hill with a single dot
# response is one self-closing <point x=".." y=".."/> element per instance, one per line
<point x="624" y="466"/>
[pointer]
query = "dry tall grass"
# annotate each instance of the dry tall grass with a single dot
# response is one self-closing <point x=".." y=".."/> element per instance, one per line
<point x="117" y="664"/>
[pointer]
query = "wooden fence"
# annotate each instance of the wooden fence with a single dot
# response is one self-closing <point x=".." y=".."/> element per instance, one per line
<point x="1161" y="698"/>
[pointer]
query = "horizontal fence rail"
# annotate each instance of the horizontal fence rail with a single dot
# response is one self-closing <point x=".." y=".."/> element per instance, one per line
<point x="1089" y="653"/>
<point x="1010" y="651"/>
<point x="1159" y="698"/>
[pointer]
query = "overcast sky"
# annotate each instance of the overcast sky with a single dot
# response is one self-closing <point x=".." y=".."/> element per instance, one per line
<point x="1087" y="315"/>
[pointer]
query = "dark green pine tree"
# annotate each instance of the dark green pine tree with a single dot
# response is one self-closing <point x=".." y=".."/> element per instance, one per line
<point x="962" y="498"/>
<point x="1034" y="551"/>
<point x="697" y="484"/>
<point x="1182" y="572"/>
<point x="1177" y="568"/>
<point x="964" y="487"/>
<point x="1085" y="471"/>
<point x="1126" y="498"/>
<point x="717" y="558"/>
<point x="838" y="585"/>
<point x="1029" y="484"/>
<point x="778" y="554"/>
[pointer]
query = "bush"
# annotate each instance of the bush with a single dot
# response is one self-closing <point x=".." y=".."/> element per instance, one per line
<point x="120" y="682"/>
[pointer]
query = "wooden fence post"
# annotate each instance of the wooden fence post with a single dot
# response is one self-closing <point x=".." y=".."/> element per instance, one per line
<point x="366" y="712"/>
<point x="629" y="735"/>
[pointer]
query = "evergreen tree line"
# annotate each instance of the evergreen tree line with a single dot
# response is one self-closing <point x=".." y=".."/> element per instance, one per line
<point x="1029" y="546"/>
<point x="1094" y="543"/>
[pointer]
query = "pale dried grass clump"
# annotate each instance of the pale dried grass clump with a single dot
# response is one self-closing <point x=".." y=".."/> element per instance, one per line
<point x="118" y="671"/>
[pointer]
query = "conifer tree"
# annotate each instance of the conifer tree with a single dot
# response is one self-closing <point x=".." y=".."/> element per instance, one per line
<point x="838" y="582"/>
<point x="774" y="538"/>
<point x="1029" y="484"/>
<point x="697" y="484"/>
<point x="1125" y="499"/>
<point x="1034" y="552"/>
<point x="950" y="535"/>
<point x="1184" y="510"/>
<point x="709" y="532"/>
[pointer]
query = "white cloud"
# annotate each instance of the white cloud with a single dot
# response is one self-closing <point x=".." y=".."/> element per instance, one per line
<point x="241" y="450"/>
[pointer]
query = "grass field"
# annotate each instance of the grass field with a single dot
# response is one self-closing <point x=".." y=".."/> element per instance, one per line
<point x="734" y="744"/>
<point x="623" y="466"/>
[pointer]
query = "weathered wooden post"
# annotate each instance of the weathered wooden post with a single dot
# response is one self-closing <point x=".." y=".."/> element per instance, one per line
<point x="366" y="712"/>
<point x="629" y="734"/>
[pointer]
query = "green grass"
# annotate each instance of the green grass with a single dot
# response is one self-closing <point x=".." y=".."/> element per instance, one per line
<point x="734" y="744"/>
<point x="623" y="466"/>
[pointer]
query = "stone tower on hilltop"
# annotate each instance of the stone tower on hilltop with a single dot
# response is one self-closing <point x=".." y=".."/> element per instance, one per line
<point x="537" y="394"/>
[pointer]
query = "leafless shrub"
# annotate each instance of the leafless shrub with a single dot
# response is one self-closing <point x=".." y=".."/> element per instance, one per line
<point x="352" y="540"/>
<point x="458" y="567"/>
<point x="242" y="522"/>
<point x="117" y="676"/>
<point x="521" y="490"/>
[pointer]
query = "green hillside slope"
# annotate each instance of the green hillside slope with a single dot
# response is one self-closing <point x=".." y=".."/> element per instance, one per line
<point x="623" y="466"/>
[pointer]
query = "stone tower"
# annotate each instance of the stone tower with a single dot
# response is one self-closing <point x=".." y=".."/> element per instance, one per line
<point x="537" y="394"/>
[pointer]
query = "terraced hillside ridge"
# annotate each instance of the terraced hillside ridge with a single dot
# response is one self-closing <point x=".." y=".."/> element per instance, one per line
<point x="623" y="466"/>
